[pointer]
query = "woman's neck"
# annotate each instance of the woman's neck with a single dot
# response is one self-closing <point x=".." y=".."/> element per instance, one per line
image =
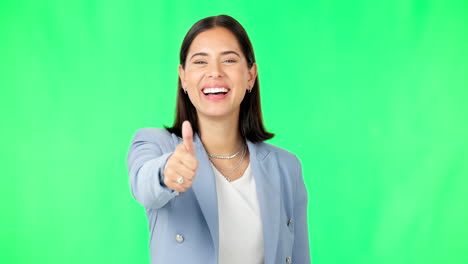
<point x="220" y="136"/>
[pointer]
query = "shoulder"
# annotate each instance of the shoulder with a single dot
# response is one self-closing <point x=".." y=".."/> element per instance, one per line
<point x="282" y="163"/>
<point x="156" y="136"/>
<point x="151" y="133"/>
<point x="267" y="150"/>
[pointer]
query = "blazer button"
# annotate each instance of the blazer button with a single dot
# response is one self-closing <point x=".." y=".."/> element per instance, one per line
<point x="288" y="260"/>
<point x="290" y="222"/>
<point x="179" y="238"/>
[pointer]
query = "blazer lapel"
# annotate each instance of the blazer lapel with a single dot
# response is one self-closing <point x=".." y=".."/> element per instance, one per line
<point x="204" y="187"/>
<point x="268" y="192"/>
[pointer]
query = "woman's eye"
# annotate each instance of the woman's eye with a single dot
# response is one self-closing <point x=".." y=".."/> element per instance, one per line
<point x="199" y="62"/>
<point x="230" y="60"/>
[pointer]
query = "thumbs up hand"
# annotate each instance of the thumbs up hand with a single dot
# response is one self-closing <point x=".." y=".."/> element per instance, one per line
<point x="187" y="136"/>
<point x="182" y="165"/>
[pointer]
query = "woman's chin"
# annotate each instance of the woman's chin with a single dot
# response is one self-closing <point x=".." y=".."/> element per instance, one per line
<point x="217" y="113"/>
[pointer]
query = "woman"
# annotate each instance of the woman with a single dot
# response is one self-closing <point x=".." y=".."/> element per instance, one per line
<point x="214" y="192"/>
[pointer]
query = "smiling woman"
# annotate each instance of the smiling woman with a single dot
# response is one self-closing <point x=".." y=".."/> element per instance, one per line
<point x="213" y="190"/>
<point x="216" y="76"/>
<point x="235" y="46"/>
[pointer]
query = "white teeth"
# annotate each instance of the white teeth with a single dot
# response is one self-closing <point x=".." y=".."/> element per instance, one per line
<point x="215" y="90"/>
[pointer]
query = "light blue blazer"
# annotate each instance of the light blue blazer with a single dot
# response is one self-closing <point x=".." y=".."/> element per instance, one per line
<point x="184" y="227"/>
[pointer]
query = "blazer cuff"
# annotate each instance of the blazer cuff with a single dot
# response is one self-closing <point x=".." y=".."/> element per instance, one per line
<point x="161" y="170"/>
<point x="157" y="194"/>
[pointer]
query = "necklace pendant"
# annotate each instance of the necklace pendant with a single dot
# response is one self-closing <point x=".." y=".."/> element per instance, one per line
<point x="228" y="179"/>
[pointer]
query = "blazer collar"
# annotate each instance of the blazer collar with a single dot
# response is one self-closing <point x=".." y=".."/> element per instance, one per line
<point x="204" y="187"/>
<point x="268" y="193"/>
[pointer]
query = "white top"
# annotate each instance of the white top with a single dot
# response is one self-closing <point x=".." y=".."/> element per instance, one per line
<point x="240" y="223"/>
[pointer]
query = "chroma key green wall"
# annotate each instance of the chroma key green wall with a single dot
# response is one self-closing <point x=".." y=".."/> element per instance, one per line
<point x="371" y="95"/>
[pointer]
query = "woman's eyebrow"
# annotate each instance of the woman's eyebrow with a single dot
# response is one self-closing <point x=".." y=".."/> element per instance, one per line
<point x="230" y="52"/>
<point x="199" y="54"/>
<point x="222" y="53"/>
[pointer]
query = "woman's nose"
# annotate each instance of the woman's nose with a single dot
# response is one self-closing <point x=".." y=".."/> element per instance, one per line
<point x="214" y="74"/>
<point x="214" y="71"/>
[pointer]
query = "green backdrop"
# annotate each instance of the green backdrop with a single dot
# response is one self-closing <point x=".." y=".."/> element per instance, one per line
<point x="371" y="95"/>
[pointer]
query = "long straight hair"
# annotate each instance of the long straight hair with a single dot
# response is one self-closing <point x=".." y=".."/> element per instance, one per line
<point x="250" y="116"/>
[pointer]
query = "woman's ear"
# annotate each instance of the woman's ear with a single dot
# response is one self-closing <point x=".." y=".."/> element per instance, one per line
<point x="252" y="75"/>
<point x="182" y="76"/>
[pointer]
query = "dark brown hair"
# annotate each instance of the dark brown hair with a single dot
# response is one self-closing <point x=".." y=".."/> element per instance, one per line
<point x="250" y="117"/>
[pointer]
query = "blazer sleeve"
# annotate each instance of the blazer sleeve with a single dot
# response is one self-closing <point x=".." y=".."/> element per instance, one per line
<point x="146" y="160"/>
<point x="301" y="252"/>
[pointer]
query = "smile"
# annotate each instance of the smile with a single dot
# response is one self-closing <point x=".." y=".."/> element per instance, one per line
<point x="215" y="93"/>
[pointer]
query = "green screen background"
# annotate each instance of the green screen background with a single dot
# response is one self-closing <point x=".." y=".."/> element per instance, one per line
<point x="371" y="95"/>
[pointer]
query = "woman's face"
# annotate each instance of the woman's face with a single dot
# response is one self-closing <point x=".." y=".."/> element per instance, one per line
<point x="216" y="75"/>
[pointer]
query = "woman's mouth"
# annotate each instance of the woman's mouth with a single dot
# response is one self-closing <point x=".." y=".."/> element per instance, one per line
<point x="215" y="93"/>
